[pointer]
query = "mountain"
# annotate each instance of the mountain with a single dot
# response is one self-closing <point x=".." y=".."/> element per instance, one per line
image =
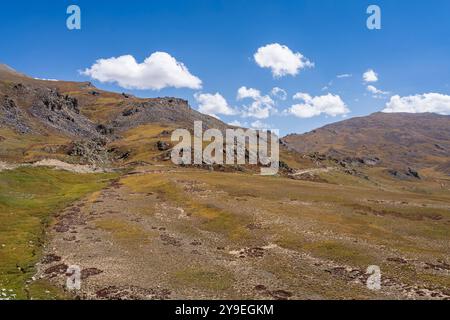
<point x="393" y="140"/>
<point x="24" y="100"/>
<point x="39" y="115"/>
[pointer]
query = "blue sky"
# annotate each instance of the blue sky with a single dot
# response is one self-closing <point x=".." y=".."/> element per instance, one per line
<point x="216" y="41"/>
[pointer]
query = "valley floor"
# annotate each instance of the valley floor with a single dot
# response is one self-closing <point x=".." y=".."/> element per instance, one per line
<point x="163" y="232"/>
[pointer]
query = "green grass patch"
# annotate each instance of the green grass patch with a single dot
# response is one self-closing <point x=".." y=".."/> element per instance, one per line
<point x="28" y="198"/>
<point x="341" y="253"/>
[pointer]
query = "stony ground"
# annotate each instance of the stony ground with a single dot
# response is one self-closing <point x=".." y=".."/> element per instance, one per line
<point x="170" y="233"/>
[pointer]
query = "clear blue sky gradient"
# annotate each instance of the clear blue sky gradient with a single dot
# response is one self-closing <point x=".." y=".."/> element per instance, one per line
<point x="216" y="40"/>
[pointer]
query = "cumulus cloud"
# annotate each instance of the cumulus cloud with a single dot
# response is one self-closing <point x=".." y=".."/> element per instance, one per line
<point x="258" y="124"/>
<point x="158" y="71"/>
<point x="213" y="104"/>
<point x="421" y="103"/>
<point x="329" y="104"/>
<point x="260" y="108"/>
<point x="281" y="60"/>
<point x="279" y="93"/>
<point x="237" y="123"/>
<point x="244" y="92"/>
<point x="370" y="76"/>
<point x="376" y="92"/>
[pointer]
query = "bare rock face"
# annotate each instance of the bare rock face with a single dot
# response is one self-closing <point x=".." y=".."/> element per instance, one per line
<point x="163" y="110"/>
<point x="404" y="174"/>
<point x="11" y="116"/>
<point x="62" y="113"/>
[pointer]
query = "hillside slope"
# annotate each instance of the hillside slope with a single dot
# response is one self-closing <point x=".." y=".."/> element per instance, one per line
<point x="41" y="118"/>
<point x="391" y="140"/>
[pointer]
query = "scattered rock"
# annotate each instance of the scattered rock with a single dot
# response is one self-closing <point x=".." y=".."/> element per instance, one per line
<point x="280" y="294"/>
<point x="132" y="293"/>
<point x="439" y="266"/>
<point x="86" y="273"/>
<point x="90" y="151"/>
<point x="397" y="260"/>
<point x="260" y="287"/>
<point x="168" y="240"/>
<point x="163" y="146"/>
<point x="196" y="243"/>
<point x="404" y="174"/>
<point x="61" y="228"/>
<point x="56" y="270"/>
<point x="50" y="258"/>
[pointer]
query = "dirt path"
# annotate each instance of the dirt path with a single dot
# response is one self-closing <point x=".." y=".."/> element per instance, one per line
<point x="6" y="166"/>
<point x="56" y="164"/>
<point x="313" y="171"/>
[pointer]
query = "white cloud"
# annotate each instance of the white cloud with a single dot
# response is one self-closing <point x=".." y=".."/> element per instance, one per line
<point x="342" y="76"/>
<point x="260" y="125"/>
<point x="43" y="79"/>
<point x="370" y="76"/>
<point x="279" y="93"/>
<point x="158" y="71"/>
<point x="244" y="92"/>
<point x="213" y="104"/>
<point x="421" y="103"/>
<point x="375" y="91"/>
<point x="236" y="123"/>
<point x="281" y="60"/>
<point x="260" y="108"/>
<point x="329" y="104"/>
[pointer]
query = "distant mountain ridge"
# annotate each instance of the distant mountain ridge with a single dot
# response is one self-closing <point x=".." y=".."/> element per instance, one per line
<point x="394" y="139"/>
<point x="55" y="112"/>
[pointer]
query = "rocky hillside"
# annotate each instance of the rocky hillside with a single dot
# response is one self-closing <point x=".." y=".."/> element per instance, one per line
<point x="38" y="117"/>
<point x="390" y="140"/>
<point x="79" y="109"/>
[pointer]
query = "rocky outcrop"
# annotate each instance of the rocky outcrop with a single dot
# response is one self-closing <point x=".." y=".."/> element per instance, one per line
<point x="162" y="146"/>
<point x="61" y="112"/>
<point x="163" y="110"/>
<point x="89" y="151"/>
<point x="406" y="174"/>
<point x="11" y="116"/>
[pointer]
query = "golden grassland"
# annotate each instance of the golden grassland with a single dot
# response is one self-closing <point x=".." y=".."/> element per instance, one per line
<point x="356" y="223"/>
